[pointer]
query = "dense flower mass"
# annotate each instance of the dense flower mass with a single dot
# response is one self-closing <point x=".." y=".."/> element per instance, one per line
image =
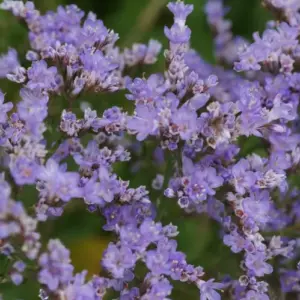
<point x="198" y="115"/>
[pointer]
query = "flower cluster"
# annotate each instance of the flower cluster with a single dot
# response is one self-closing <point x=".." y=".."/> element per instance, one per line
<point x="198" y="114"/>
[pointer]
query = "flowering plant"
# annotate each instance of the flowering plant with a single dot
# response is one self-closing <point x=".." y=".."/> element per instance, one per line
<point x="196" y="115"/>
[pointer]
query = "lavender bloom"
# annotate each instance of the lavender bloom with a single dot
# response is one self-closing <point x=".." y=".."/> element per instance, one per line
<point x="69" y="123"/>
<point x="203" y="183"/>
<point x="24" y="170"/>
<point x="257" y="206"/>
<point x="146" y="91"/>
<point x="16" y="276"/>
<point x="33" y="107"/>
<point x="98" y="63"/>
<point x="78" y="289"/>
<point x="18" y="8"/>
<point x="4" y="108"/>
<point x="290" y="281"/>
<point x="56" y="270"/>
<point x="133" y="238"/>
<point x="207" y="290"/>
<point x="226" y="45"/>
<point x="6" y="190"/>
<point x="18" y="75"/>
<point x="143" y="123"/>
<point x="256" y="262"/>
<point x="235" y="241"/>
<point x="159" y="289"/>
<point x="130" y="294"/>
<point x="267" y="51"/>
<point x="255" y="295"/>
<point x="179" y="32"/>
<point x="93" y="32"/>
<point x="102" y="192"/>
<point x="99" y="71"/>
<point x="243" y="178"/>
<point x="41" y="77"/>
<point x="8" y="62"/>
<point x="180" y="10"/>
<point x="157" y="182"/>
<point x="32" y="56"/>
<point x="156" y="261"/>
<point x="58" y="183"/>
<point x="185" y="122"/>
<point x="207" y="115"/>
<point x="118" y="259"/>
<point x="140" y="53"/>
<point x="92" y="157"/>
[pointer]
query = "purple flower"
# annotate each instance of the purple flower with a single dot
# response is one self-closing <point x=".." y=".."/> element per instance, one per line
<point x="132" y="237"/>
<point x="157" y="261"/>
<point x="42" y="77"/>
<point x="56" y="270"/>
<point x="159" y="289"/>
<point x="203" y="183"/>
<point x="140" y="53"/>
<point x="92" y="157"/>
<point x="32" y="56"/>
<point x="143" y="122"/>
<point x="256" y="262"/>
<point x="178" y="34"/>
<point x="4" y="108"/>
<point x="151" y="230"/>
<point x="257" y="206"/>
<point x="146" y="91"/>
<point x="290" y="281"/>
<point x="69" y="123"/>
<point x="282" y="110"/>
<point x="184" y="122"/>
<point x="93" y="31"/>
<point x="157" y="182"/>
<point x="78" y="289"/>
<point x="19" y="266"/>
<point x="178" y="266"/>
<point x="16" y="278"/>
<point x="8" y="62"/>
<point x="117" y="259"/>
<point x="99" y="71"/>
<point x="95" y="192"/>
<point x="97" y="62"/>
<point x="33" y="107"/>
<point x="203" y="113"/>
<point x="133" y="293"/>
<point x="235" y="241"/>
<point x="255" y="295"/>
<point x="24" y="170"/>
<point x="207" y="289"/>
<point x="243" y="178"/>
<point x="58" y="183"/>
<point x="113" y="215"/>
<point x="180" y="10"/>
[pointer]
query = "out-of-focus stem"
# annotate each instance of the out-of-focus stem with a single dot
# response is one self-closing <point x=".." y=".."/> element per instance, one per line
<point x="291" y="231"/>
<point x="145" y="21"/>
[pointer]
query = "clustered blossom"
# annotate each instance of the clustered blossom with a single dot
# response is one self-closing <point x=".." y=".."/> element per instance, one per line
<point x="226" y="45"/>
<point x="8" y="62"/>
<point x="15" y="222"/>
<point x="198" y="116"/>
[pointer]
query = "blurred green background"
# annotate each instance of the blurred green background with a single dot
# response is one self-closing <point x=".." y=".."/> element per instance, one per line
<point x="135" y="21"/>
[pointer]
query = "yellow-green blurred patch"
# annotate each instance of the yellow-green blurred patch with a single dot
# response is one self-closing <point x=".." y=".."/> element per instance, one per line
<point x="86" y="253"/>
